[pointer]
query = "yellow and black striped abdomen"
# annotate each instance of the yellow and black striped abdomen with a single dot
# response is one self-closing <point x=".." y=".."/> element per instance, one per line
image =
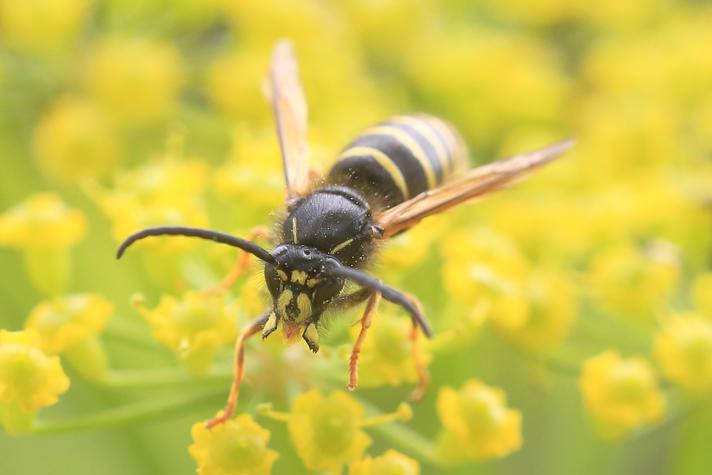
<point x="399" y="158"/>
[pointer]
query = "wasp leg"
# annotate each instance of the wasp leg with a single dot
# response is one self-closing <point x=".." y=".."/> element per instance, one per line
<point x="366" y="319"/>
<point x="238" y="370"/>
<point x="420" y="369"/>
<point x="348" y="301"/>
<point x="240" y="267"/>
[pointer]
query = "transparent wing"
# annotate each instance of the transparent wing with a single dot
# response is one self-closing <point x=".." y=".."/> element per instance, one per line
<point x="473" y="184"/>
<point x="290" y="112"/>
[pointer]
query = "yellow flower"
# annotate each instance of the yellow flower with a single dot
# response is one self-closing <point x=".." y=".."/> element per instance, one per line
<point x="237" y="447"/>
<point x="193" y="326"/>
<point x="42" y="221"/>
<point x="74" y="140"/>
<point x="482" y="266"/>
<point x="702" y="293"/>
<point x="70" y="325"/>
<point x="62" y="323"/>
<point x="388" y="463"/>
<point x="136" y="79"/>
<point x="477" y="422"/>
<point x="387" y="354"/>
<point x="634" y="283"/>
<point x="42" y="25"/>
<point x="44" y="228"/>
<point x="620" y="395"/>
<point x="551" y="305"/>
<point x="327" y="431"/>
<point x="29" y="379"/>
<point x="683" y="348"/>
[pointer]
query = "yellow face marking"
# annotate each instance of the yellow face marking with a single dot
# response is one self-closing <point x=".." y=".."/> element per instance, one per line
<point x="299" y="276"/>
<point x="384" y="161"/>
<point x="313" y="282"/>
<point x="282" y="275"/>
<point x="340" y="246"/>
<point x="412" y="145"/>
<point x="304" y="306"/>
<point x="424" y="129"/>
<point x="270" y="324"/>
<point x="294" y="229"/>
<point x="312" y="336"/>
<point x="283" y="300"/>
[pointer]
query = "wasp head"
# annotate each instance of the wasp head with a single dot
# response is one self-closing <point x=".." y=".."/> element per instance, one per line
<point x="300" y="290"/>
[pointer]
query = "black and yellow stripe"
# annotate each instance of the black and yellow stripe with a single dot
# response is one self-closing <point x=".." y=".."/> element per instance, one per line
<point x="400" y="158"/>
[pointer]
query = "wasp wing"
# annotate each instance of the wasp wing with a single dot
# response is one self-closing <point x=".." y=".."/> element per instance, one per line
<point x="290" y="112"/>
<point x="473" y="184"/>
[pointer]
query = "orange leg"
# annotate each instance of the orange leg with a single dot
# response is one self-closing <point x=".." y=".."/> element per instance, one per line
<point x="238" y="371"/>
<point x="366" y="319"/>
<point x="240" y="267"/>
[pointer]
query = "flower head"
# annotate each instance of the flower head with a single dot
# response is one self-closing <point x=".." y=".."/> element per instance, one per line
<point x="327" y="431"/>
<point x="29" y="379"/>
<point x="632" y="282"/>
<point x="64" y="322"/>
<point x="387" y="354"/>
<point x="74" y="140"/>
<point x="193" y="326"/>
<point x="477" y="422"/>
<point x="683" y="348"/>
<point x="702" y="293"/>
<point x="42" y="221"/>
<point x="42" y="25"/>
<point x="619" y="394"/>
<point x="237" y="447"/>
<point x="388" y="463"/>
<point x="136" y="79"/>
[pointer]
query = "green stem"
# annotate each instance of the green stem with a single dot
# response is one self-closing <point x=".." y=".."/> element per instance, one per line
<point x="141" y="411"/>
<point x="121" y="379"/>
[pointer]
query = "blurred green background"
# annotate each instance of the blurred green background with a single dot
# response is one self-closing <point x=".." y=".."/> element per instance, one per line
<point x="144" y="112"/>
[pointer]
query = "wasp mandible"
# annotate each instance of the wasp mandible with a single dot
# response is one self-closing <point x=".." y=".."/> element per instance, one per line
<point x="385" y="181"/>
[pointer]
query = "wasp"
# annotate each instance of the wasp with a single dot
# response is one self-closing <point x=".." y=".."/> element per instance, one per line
<point x="385" y="181"/>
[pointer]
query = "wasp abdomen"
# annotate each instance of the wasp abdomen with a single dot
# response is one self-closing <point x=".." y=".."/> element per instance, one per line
<point x="399" y="158"/>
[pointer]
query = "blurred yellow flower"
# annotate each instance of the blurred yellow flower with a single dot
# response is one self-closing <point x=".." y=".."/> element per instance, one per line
<point x="42" y="221"/>
<point x="701" y="293"/>
<point x="326" y="431"/>
<point x="70" y="325"/>
<point x="29" y="379"/>
<point x="42" y="25"/>
<point x="551" y="306"/>
<point x="237" y="447"/>
<point x="136" y="79"/>
<point x="74" y="140"/>
<point x="477" y="424"/>
<point x="683" y="348"/>
<point x="387" y="354"/>
<point x="620" y="395"/>
<point x="44" y="228"/>
<point x="193" y="326"/>
<point x="388" y="463"/>
<point x="64" y="322"/>
<point x="634" y="283"/>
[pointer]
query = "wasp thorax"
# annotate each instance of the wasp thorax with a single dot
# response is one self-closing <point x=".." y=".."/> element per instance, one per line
<point x="300" y="291"/>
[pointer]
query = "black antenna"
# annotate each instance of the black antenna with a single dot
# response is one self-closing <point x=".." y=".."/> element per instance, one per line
<point x="389" y="293"/>
<point x="209" y="234"/>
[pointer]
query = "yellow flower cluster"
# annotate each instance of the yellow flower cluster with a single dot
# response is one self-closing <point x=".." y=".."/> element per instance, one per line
<point x="29" y="379"/>
<point x="70" y="326"/>
<point x="238" y="447"/>
<point x="390" y="462"/>
<point x="620" y="395"/>
<point x="477" y="424"/>
<point x="194" y="326"/>
<point x="683" y="348"/>
<point x="44" y="228"/>
<point x="327" y="431"/>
